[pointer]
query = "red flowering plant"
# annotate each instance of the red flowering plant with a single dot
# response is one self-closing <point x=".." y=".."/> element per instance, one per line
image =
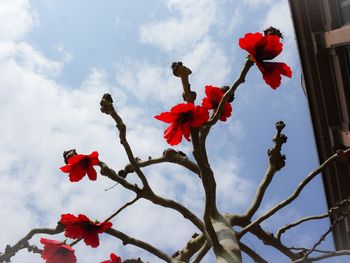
<point x="182" y="117"/>
<point x="78" y="165"/>
<point x="57" y="252"/>
<point x="113" y="259"/>
<point x="266" y="47"/>
<point x="82" y="227"/>
<point x="219" y="231"/>
<point x="211" y="102"/>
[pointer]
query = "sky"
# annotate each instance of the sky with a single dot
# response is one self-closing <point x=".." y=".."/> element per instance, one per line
<point x="57" y="58"/>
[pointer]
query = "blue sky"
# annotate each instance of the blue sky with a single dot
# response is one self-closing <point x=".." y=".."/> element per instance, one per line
<point x="57" y="58"/>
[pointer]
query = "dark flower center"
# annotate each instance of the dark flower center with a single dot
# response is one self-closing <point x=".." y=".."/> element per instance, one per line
<point x="215" y="103"/>
<point x="85" y="163"/>
<point x="88" y="226"/>
<point x="62" y="251"/>
<point x="185" y="117"/>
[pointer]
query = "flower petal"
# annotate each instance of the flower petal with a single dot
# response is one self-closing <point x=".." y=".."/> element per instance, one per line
<point x="76" y="173"/>
<point x="166" y="117"/>
<point x="173" y="134"/>
<point x="272" y="72"/>
<point x="249" y="41"/>
<point x="268" y="47"/>
<point x="91" y="172"/>
<point x="199" y="117"/>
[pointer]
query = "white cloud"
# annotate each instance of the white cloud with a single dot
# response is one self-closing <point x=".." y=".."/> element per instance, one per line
<point x="258" y="3"/>
<point x="148" y="82"/>
<point x="181" y="33"/>
<point x="209" y="64"/>
<point x="16" y="19"/>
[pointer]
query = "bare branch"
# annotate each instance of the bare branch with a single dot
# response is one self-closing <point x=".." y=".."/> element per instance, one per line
<point x="139" y="243"/>
<point x="108" y="108"/>
<point x="202" y="252"/>
<point x="185" y="212"/>
<point x="276" y="162"/>
<point x="296" y="193"/>
<point x="329" y="255"/>
<point x="148" y="194"/>
<point x="169" y="155"/>
<point x="122" y="208"/>
<point x="191" y="248"/>
<point x="110" y="217"/>
<point x="322" y="238"/>
<point x="209" y="186"/>
<point x="179" y="70"/>
<point x="10" y="251"/>
<point x="251" y="253"/>
<point x="300" y="221"/>
<point x="270" y="240"/>
<point x="241" y="79"/>
<point x="304" y="250"/>
<point x="341" y="206"/>
<point x="111" y="174"/>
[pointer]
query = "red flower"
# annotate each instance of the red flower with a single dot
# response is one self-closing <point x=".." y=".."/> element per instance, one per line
<point x="83" y="227"/>
<point x="262" y="48"/>
<point x="214" y="96"/>
<point x="114" y="259"/>
<point x="57" y="252"/>
<point x="182" y="117"/>
<point x="79" y="165"/>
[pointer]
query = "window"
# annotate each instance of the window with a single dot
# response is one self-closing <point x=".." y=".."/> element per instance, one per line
<point x="344" y="9"/>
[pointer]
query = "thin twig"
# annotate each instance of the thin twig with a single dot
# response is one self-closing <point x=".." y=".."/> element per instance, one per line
<point x="296" y="193"/>
<point x="270" y="240"/>
<point x="304" y="249"/>
<point x="300" y="221"/>
<point x="191" y="248"/>
<point x="322" y="238"/>
<point x="251" y="253"/>
<point x="122" y="208"/>
<point x="241" y="79"/>
<point x="108" y="108"/>
<point x="111" y="216"/>
<point x="126" y="239"/>
<point x="181" y="71"/>
<point x="148" y="194"/>
<point x="276" y="162"/>
<point x="329" y="255"/>
<point x="10" y="251"/>
<point x="202" y="252"/>
<point x="170" y="156"/>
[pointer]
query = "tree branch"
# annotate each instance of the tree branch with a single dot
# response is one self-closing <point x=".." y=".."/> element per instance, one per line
<point x="185" y="212"/>
<point x="108" y="108"/>
<point x="191" y="248"/>
<point x="322" y="238"/>
<point x="251" y="253"/>
<point x="179" y="70"/>
<point x="270" y="240"/>
<point x="276" y="162"/>
<point x="209" y="185"/>
<point x="202" y="252"/>
<point x="241" y="79"/>
<point x="139" y="243"/>
<point x="148" y="194"/>
<point x="170" y="156"/>
<point x="10" y="251"/>
<point x="296" y="193"/>
<point x="300" y="221"/>
<point x="329" y="255"/>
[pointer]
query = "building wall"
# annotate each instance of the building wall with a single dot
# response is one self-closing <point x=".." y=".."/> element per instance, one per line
<point x="322" y="30"/>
